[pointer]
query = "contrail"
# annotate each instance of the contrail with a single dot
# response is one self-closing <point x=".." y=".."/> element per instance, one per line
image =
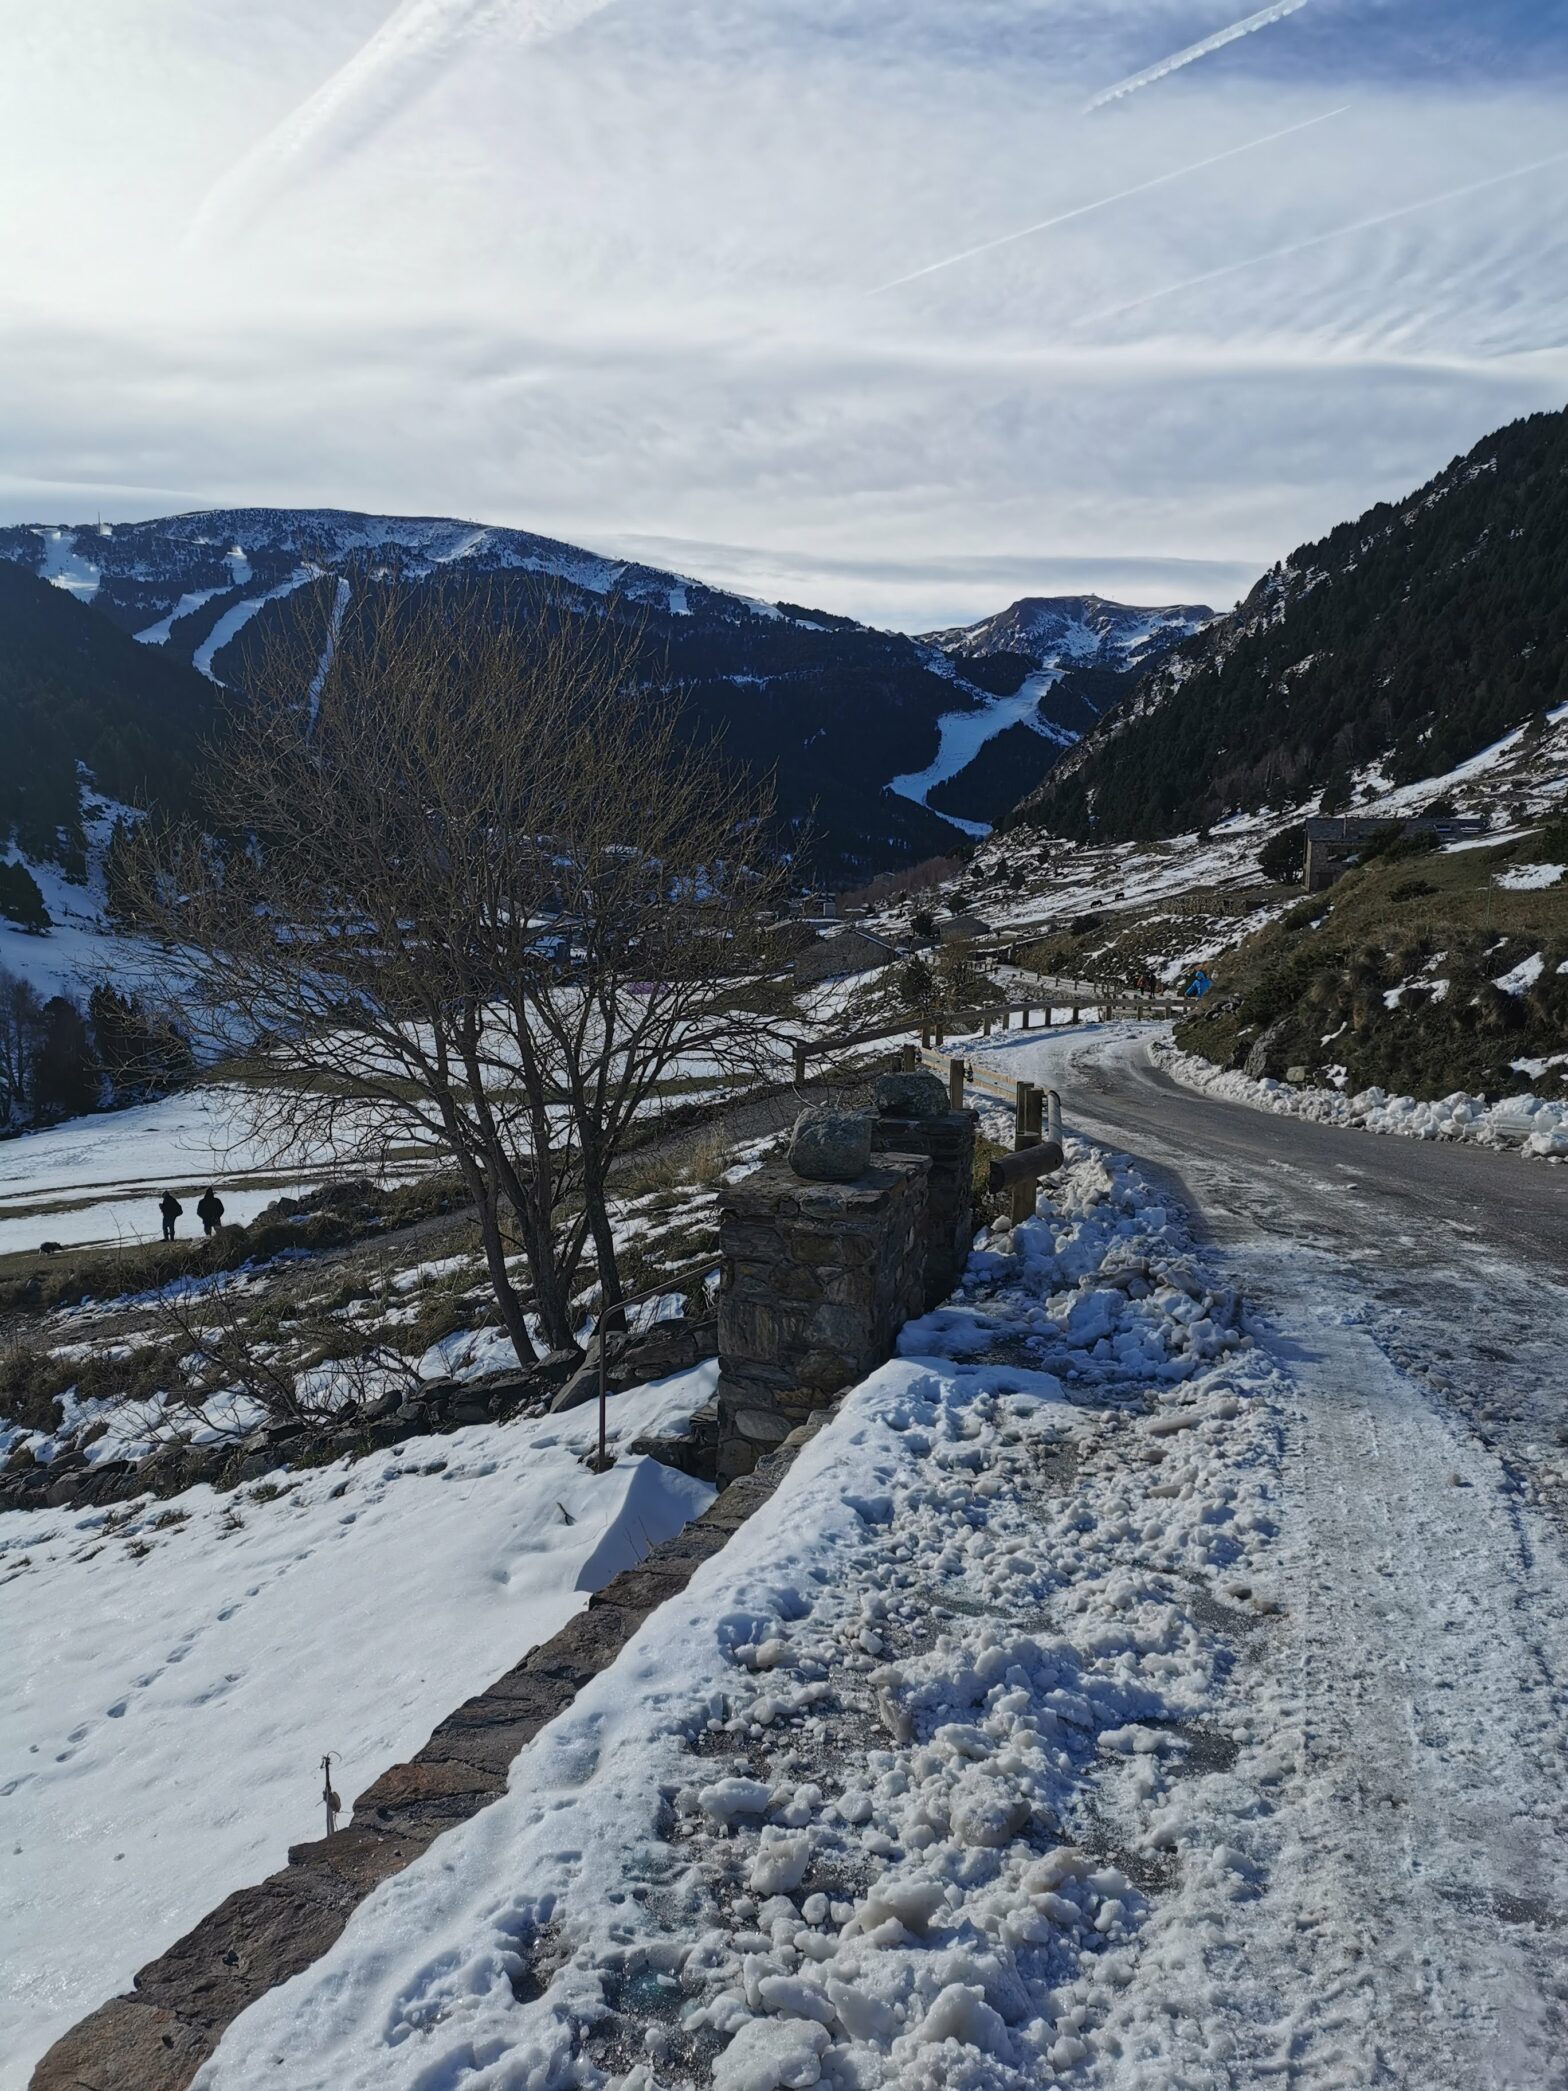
<point x="1101" y="203"/>
<point x="413" y="46"/>
<point x="1321" y="239"/>
<point x="1177" y="59"/>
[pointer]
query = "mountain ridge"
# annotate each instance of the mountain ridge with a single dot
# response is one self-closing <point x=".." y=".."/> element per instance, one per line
<point x="1400" y="643"/>
<point x="833" y="710"/>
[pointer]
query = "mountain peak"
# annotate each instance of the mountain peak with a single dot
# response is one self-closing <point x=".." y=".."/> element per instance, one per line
<point x="1089" y="630"/>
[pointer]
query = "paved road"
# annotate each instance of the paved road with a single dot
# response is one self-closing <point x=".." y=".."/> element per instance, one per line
<point x="1339" y="1177"/>
<point x="1416" y="1293"/>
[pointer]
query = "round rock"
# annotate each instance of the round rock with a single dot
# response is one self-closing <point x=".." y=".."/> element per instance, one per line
<point x="831" y="1146"/>
<point x="911" y="1093"/>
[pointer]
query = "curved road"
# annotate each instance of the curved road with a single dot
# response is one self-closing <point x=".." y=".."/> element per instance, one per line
<point x="1415" y="1928"/>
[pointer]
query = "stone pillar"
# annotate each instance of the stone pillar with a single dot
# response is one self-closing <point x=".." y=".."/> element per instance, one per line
<point x="948" y="1139"/>
<point x="817" y="1280"/>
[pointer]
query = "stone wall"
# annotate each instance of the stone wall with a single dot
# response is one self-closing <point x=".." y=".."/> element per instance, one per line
<point x="817" y="1280"/>
<point x="949" y="1143"/>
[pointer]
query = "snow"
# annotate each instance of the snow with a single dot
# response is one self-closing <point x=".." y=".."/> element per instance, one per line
<point x="235" y="620"/>
<point x="1524" y="975"/>
<point x="882" y="1868"/>
<point x="79" y="949"/>
<point x="98" y="1178"/>
<point x="961" y="736"/>
<point x="174" y="1680"/>
<point x="1529" y="878"/>
<point x="1538" y="1128"/>
<point x="65" y="567"/>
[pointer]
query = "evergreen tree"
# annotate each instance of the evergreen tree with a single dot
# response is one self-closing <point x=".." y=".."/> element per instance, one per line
<point x="65" y="1075"/>
<point x="20" y="898"/>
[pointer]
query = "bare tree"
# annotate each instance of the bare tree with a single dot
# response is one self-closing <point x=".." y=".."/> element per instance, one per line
<point x="490" y="902"/>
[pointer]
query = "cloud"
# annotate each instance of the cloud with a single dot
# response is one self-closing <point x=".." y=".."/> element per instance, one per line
<point x="1084" y="210"/>
<point x="599" y="270"/>
<point x="388" y="72"/>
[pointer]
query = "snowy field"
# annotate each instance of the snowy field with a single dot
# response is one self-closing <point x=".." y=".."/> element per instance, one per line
<point x="1120" y="1692"/>
<point x="98" y="1179"/>
<point x="176" y="1670"/>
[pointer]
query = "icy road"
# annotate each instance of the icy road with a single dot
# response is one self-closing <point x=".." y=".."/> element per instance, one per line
<point x="1418" y="1294"/>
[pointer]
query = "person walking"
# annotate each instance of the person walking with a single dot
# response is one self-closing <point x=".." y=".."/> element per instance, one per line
<point x="170" y="1207"/>
<point x="209" y="1211"/>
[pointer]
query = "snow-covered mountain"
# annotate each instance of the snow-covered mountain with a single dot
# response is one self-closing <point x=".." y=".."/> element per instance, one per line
<point x="190" y="570"/>
<point x="1054" y="665"/>
<point x="866" y="732"/>
<point x="1392" y="651"/>
<point x="1086" y="630"/>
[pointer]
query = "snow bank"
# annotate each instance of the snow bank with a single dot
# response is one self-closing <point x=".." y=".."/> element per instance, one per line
<point x="847" y="1811"/>
<point x="177" y="1669"/>
<point x="1530" y="1123"/>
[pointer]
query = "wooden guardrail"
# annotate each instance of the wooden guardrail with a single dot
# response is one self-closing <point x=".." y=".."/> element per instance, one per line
<point x="1108" y="1005"/>
<point x="1037" y="1121"/>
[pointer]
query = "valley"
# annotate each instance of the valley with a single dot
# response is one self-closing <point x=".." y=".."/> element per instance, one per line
<point x="1167" y="1604"/>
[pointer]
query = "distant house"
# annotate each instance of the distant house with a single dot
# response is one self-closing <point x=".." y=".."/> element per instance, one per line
<point x="841" y="953"/>
<point x="1333" y="841"/>
<point x="962" y="929"/>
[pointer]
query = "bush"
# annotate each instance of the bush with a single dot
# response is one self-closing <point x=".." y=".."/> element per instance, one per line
<point x="1282" y="856"/>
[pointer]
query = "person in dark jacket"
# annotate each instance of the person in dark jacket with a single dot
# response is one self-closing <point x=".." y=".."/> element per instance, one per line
<point x="209" y="1210"/>
<point x="171" y="1208"/>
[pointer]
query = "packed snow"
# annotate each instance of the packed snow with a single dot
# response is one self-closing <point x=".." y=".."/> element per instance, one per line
<point x="1529" y="878"/>
<point x="865" y="1805"/>
<point x="961" y="736"/>
<point x="178" y="1669"/>
<point x="1532" y="1124"/>
<point x="64" y="566"/>
<point x="234" y="621"/>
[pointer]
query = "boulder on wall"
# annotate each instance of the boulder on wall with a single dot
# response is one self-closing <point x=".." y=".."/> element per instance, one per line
<point x="831" y="1146"/>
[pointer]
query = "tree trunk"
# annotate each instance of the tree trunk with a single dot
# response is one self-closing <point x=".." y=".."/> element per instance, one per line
<point x="512" y="1315"/>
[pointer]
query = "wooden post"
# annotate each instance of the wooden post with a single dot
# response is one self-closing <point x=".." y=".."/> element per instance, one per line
<point x="800" y="1064"/>
<point x="985" y="1025"/>
<point x="1025" y="1111"/>
<point x="925" y="1037"/>
<point x="938" y="1040"/>
<point x="955" y="1084"/>
<point x="907" y="1058"/>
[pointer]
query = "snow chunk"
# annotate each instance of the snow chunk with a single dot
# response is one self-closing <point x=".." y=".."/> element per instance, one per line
<point x="772" y="2054"/>
<point x="961" y="2013"/>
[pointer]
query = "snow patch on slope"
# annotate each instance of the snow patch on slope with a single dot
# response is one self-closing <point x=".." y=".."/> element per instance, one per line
<point x="176" y="1679"/>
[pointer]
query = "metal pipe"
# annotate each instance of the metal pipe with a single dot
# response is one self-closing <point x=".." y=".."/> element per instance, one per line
<point x="633" y="1299"/>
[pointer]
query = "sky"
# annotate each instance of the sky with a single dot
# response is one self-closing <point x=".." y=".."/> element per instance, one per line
<point x="896" y="308"/>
